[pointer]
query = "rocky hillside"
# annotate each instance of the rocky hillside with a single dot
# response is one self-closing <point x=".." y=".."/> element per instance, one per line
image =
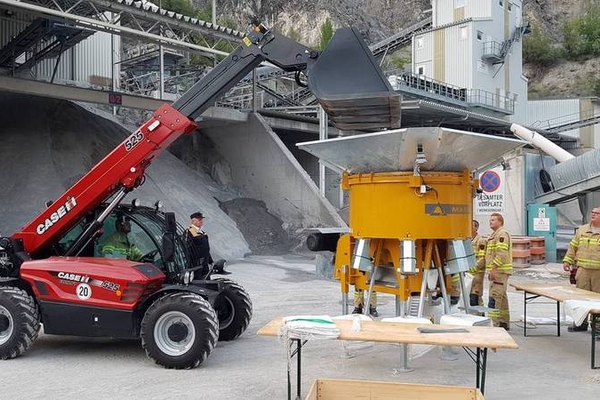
<point x="377" y="19"/>
<point x="552" y="14"/>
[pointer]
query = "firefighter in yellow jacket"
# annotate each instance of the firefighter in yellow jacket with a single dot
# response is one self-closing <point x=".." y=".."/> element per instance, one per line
<point x="478" y="270"/>
<point x="583" y="257"/>
<point x="498" y="262"/>
<point x="118" y="244"/>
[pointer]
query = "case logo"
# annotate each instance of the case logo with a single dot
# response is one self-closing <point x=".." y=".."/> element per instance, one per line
<point x="56" y="216"/>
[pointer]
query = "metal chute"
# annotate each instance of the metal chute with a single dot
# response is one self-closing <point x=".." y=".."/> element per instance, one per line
<point x="350" y="86"/>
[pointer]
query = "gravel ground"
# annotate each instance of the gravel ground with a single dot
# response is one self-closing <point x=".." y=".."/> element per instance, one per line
<point x="253" y="367"/>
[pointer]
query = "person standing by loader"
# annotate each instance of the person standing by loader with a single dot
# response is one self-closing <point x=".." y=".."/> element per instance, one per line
<point x="499" y="265"/>
<point x="478" y="270"/>
<point x="198" y="244"/>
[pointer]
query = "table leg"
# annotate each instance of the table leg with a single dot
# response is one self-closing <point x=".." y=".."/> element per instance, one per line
<point x="557" y="318"/>
<point x="594" y="320"/>
<point x="480" y="359"/>
<point x="299" y="371"/>
<point x="482" y="353"/>
<point x="524" y="313"/>
<point x="297" y="352"/>
<point x="478" y="370"/>
<point x="531" y="298"/>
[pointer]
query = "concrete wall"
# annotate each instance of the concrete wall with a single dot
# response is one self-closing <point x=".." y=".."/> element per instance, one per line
<point x="263" y="167"/>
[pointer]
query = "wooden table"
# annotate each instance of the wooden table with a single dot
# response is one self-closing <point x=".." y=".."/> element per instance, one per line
<point x="480" y="337"/>
<point x="560" y="293"/>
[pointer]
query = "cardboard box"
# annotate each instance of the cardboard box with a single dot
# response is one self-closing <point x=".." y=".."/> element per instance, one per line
<point x="342" y="389"/>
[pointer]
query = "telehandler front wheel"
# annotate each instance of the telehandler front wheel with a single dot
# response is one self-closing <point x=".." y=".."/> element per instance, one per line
<point x="234" y="310"/>
<point x="19" y="322"/>
<point x="179" y="330"/>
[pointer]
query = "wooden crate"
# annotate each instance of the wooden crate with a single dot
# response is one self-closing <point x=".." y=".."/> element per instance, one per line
<point x="345" y="389"/>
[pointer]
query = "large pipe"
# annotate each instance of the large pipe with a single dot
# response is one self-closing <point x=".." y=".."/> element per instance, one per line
<point x="541" y="142"/>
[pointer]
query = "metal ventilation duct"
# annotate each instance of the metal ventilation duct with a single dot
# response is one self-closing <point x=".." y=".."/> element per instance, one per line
<point x="577" y="170"/>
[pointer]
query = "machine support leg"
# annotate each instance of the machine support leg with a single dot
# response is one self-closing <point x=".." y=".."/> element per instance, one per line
<point x="367" y="305"/>
<point x="404" y="356"/>
<point x="465" y="296"/>
<point x="447" y="353"/>
<point x="442" y="281"/>
<point x="403" y="312"/>
<point x="423" y="293"/>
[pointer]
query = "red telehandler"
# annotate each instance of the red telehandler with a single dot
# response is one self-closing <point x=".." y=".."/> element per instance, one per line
<point x="52" y="272"/>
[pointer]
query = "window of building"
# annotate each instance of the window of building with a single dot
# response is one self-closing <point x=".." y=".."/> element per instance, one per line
<point x="459" y="3"/>
<point x="501" y="2"/>
<point x="479" y="36"/>
<point x="420" y="42"/>
<point x="464" y="32"/>
<point x="509" y="6"/>
<point x="421" y="71"/>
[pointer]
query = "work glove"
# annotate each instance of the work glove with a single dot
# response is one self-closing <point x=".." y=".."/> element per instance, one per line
<point x="572" y="276"/>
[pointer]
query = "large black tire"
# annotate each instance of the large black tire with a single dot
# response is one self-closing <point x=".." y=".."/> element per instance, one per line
<point x="19" y="322"/>
<point x="179" y="330"/>
<point x="234" y="310"/>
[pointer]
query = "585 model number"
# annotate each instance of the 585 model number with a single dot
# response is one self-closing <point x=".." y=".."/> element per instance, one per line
<point x="134" y="139"/>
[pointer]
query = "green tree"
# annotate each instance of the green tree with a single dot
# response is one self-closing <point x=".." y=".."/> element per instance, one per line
<point x="539" y="50"/>
<point x="582" y="34"/>
<point x="398" y="62"/>
<point x="326" y="33"/>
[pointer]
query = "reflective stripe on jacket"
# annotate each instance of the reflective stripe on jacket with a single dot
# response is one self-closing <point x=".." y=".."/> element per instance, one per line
<point x="498" y="252"/>
<point x="118" y="246"/>
<point x="584" y="248"/>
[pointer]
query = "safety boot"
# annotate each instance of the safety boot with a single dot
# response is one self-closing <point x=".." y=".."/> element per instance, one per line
<point x="357" y="310"/>
<point x="473" y="299"/>
<point x="373" y="312"/>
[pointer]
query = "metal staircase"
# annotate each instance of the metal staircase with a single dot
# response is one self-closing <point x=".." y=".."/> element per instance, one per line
<point x="495" y="52"/>
<point x="42" y="39"/>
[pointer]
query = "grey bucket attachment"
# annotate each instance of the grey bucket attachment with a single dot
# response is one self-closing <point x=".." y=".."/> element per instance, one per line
<point x="350" y="86"/>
